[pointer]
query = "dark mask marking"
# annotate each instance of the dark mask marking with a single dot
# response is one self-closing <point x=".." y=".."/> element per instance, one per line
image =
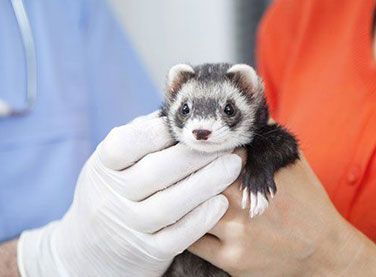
<point x="232" y="121"/>
<point x="179" y="118"/>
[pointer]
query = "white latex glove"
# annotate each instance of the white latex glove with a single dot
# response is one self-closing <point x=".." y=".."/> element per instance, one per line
<point x="132" y="211"/>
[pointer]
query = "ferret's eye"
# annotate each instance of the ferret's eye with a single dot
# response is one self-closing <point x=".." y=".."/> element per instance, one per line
<point x="229" y="110"/>
<point x="185" y="109"/>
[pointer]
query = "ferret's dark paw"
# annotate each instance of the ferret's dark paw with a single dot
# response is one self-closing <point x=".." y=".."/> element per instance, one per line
<point x="258" y="188"/>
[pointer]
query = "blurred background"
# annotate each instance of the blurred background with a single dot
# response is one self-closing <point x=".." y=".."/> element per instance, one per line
<point x="166" y="32"/>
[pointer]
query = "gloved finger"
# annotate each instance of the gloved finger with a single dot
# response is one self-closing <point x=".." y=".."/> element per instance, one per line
<point x="160" y="170"/>
<point x="127" y="144"/>
<point x="179" y="236"/>
<point x="169" y="205"/>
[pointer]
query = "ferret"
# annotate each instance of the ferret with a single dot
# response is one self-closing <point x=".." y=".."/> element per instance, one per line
<point x="219" y="107"/>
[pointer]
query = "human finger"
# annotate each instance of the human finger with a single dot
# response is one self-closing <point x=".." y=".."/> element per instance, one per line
<point x="169" y="205"/>
<point x="159" y="170"/>
<point x="179" y="236"/>
<point x="127" y="144"/>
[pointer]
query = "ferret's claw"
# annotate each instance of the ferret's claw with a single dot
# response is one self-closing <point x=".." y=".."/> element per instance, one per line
<point x="245" y="197"/>
<point x="259" y="203"/>
<point x="271" y="193"/>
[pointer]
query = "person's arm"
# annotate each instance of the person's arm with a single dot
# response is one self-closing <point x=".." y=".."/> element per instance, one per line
<point x="8" y="259"/>
<point x="301" y="233"/>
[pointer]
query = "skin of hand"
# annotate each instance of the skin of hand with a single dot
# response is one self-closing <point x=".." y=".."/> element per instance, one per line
<point x="8" y="259"/>
<point x="301" y="233"/>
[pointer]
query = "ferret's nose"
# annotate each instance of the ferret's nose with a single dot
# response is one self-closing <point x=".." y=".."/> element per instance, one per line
<point x="201" y="134"/>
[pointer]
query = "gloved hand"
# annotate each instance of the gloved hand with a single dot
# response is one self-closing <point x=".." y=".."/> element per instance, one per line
<point x="136" y="206"/>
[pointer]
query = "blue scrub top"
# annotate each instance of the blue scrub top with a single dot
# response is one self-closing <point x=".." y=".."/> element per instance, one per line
<point x="90" y="80"/>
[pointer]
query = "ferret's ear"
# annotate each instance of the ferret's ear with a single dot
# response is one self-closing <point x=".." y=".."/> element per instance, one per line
<point x="245" y="77"/>
<point x="177" y="76"/>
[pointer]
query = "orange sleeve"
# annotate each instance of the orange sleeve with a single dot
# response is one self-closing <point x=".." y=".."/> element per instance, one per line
<point x="274" y="45"/>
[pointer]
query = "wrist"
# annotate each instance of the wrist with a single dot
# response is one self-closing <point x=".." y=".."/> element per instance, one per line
<point x="356" y="254"/>
<point x="343" y="251"/>
<point x="8" y="259"/>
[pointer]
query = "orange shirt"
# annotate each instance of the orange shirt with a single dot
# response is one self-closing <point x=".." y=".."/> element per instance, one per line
<point x="320" y="76"/>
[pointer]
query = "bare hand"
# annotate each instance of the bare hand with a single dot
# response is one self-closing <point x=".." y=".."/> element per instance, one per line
<point x="301" y="233"/>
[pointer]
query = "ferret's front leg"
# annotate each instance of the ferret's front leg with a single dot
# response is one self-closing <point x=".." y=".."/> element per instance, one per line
<point x="272" y="148"/>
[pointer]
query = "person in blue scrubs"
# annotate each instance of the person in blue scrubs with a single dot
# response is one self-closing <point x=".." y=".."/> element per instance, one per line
<point x="89" y="80"/>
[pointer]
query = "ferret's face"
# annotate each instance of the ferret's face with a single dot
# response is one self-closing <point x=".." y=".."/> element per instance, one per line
<point x="211" y="116"/>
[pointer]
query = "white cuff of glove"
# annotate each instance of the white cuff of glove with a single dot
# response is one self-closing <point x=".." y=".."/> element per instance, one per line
<point x="35" y="255"/>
